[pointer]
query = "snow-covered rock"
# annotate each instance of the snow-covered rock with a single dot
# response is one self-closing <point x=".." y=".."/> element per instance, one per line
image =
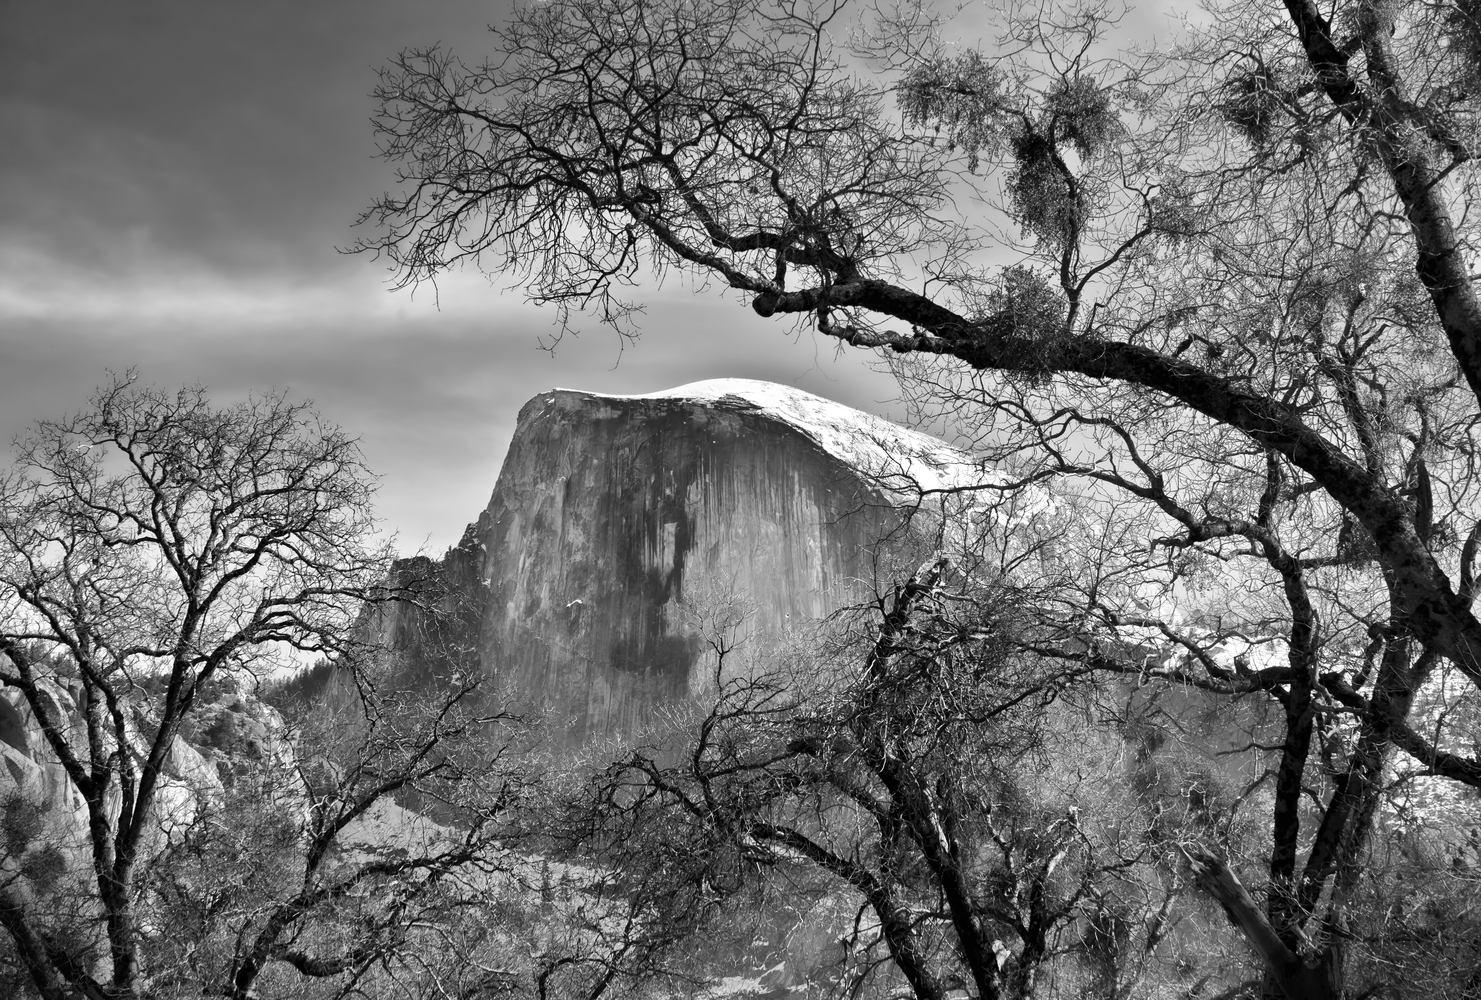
<point x="896" y="457"/>
<point x="627" y="533"/>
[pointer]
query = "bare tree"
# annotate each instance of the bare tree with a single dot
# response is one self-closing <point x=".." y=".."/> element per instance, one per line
<point x="1222" y="294"/>
<point x="159" y="557"/>
<point x="979" y="835"/>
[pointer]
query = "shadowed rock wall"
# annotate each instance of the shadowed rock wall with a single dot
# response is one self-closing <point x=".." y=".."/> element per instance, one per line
<point x="614" y="522"/>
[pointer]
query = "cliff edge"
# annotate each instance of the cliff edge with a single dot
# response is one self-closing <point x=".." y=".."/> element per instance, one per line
<point x="619" y="525"/>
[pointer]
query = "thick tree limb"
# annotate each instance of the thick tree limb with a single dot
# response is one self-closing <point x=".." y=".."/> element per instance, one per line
<point x="895" y="924"/>
<point x="1400" y="133"/>
<point x="1435" y="613"/>
<point x="1466" y="770"/>
<point x="1296" y="979"/>
<point x="31" y="950"/>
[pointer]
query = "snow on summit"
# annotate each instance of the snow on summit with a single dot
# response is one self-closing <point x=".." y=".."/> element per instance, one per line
<point x="900" y="457"/>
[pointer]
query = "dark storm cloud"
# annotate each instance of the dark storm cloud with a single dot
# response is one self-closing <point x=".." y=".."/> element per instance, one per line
<point x="226" y="135"/>
<point x="432" y="395"/>
<point x="174" y="179"/>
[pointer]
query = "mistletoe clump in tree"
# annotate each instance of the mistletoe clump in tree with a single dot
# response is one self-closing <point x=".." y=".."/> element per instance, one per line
<point x="1221" y="294"/>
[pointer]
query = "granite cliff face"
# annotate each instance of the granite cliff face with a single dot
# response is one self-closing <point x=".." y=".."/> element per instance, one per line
<point x="619" y="524"/>
<point x="44" y="849"/>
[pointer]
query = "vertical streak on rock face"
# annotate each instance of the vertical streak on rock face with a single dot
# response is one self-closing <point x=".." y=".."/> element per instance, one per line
<point x="615" y="517"/>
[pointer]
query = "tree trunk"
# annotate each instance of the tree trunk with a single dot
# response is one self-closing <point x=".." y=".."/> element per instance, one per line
<point x="1284" y="969"/>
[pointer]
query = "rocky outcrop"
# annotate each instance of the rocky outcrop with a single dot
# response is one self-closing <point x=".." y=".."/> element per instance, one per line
<point x="227" y="733"/>
<point x="45" y="857"/>
<point x="624" y="530"/>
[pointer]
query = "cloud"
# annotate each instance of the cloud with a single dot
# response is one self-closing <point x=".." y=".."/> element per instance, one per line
<point x="174" y="180"/>
<point x="433" y="393"/>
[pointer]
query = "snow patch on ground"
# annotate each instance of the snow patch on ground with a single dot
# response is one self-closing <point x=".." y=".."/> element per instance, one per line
<point x="735" y="986"/>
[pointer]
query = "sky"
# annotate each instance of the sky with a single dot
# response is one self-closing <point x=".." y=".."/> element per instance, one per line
<point x="175" y="178"/>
